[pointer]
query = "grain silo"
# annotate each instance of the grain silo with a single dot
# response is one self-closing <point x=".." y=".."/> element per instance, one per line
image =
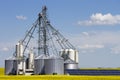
<point x="10" y="66"/>
<point x="39" y="67"/>
<point x="49" y="42"/>
<point x="69" y="53"/>
<point x="48" y="65"/>
<point x="54" y="65"/>
<point x="70" y="64"/>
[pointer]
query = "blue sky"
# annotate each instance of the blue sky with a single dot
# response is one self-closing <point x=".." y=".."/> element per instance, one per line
<point x="93" y="26"/>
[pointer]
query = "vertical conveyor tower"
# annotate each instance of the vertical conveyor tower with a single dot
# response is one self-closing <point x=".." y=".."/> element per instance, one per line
<point x="48" y="36"/>
<point x="49" y="40"/>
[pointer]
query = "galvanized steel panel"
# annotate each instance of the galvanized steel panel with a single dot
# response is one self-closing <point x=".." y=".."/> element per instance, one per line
<point x="71" y="65"/>
<point x="10" y="67"/>
<point x="39" y="66"/>
<point x="54" y="66"/>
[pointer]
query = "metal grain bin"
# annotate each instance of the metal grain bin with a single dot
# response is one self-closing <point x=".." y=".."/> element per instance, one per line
<point x="10" y="66"/>
<point x="39" y="65"/>
<point x="69" y="54"/>
<point x="54" y="65"/>
<point x="70" y="64"/>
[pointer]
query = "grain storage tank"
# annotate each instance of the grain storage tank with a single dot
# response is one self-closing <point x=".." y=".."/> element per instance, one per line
<point x="70" y="64"/>
<point x="31" y="60"/>
<point x="19" y="50"/>
<point x="11" y="66"/>
<point x="21" y="65"/>
<point x="54" y="65"/>
<point x="64" y="54"/>
<point x="39" y="64"/>
<point x="69" y="54"/>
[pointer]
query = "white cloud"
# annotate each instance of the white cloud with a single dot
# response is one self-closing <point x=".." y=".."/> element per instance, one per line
<point x="89" y="46"/>
<point x="98" y="37"/>
<point x="88" y="51"/>
<point x="5" y="49"/>
<point x="21" y="17"/>
<point x="108" y="41"/>
<point x="101" y="19"/>
<point x="5" y="46"/>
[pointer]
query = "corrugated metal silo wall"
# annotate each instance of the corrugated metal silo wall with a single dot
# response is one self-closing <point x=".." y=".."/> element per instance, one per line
<point x="39" y="66"/>
<point x="71" y="65"/>
<point x="10" y="67"/>
<point x="54" y="66"/>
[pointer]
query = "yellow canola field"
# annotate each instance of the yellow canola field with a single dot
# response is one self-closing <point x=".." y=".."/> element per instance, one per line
<point x="55" y="77"/>
<point x="1" y="71"/>
<point x="58" y="77"/>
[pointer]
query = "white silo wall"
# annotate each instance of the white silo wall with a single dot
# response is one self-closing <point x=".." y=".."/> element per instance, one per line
<point x="69" y="53"/>
<point x="24" y="66"/>
<point x="64" y="53"/>
<point x="21" y="66"/>
<point x="31" y="60"/>
<point x="76" y="56"/>
<point x="19" y="50"/>
<point x="70" y="64"/>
